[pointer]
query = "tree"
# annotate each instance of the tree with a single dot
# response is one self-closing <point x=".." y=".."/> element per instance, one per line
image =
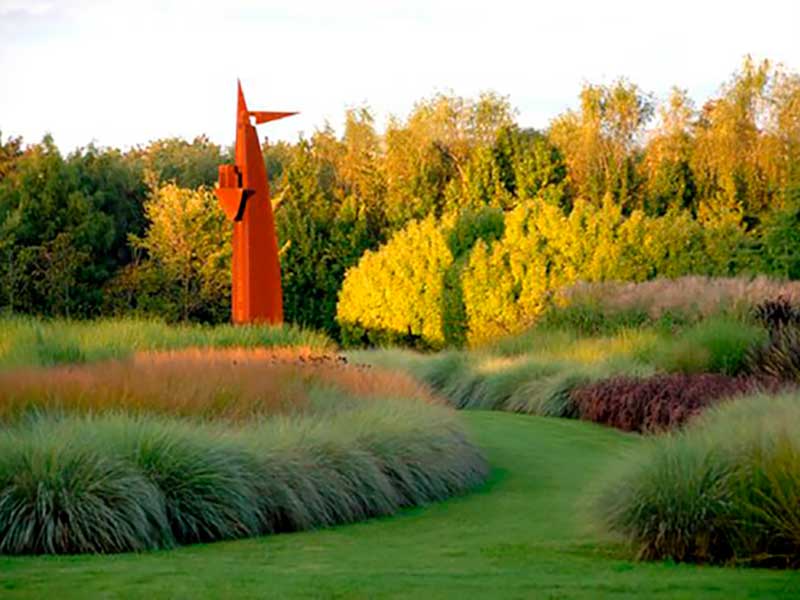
<point x="725" y="162"/>
<point x="325" y="224"/>
<point x="187" y="164"/>
<point x="432" y="150"/>
<point x="185" y="272"/>
<point x="668" y="158"/>
<point x="599" y="142"/>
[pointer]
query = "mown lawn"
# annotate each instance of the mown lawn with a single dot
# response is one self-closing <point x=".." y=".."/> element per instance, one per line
<point x="521" y="536"/>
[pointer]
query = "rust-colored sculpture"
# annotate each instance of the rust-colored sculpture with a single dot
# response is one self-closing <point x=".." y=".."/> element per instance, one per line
<point x="243" y="193"/>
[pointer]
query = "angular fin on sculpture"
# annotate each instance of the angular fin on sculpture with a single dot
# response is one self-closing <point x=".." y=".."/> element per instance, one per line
<point x="233" y="201"/>
<point x="264" y="116"/>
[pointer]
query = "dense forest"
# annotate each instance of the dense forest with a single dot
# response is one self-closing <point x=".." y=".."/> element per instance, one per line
<point x="451" y="225"/>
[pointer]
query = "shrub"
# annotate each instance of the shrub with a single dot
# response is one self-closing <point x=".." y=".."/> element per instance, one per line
<point x="395" y="294"/>
<point x="659" y="402"/>
<point x="726" y="489"/>
<point x="719" y="344"/>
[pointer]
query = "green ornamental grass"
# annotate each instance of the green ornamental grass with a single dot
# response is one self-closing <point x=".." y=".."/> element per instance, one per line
<point x="115" y="483"/>
<point x="725" y="490"/>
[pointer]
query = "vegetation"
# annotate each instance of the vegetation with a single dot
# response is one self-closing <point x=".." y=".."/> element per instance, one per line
<point x="28" y="342"/>
<point x="631" y="266"/>
<point x="522" y="534"/>
<point x="675" y="347"/>
<point x="176" y="449"/>
<point x="725" y="490"/>
<point x="717" y="344"/>
<point x="605" y="307"/>
<point x="660" y="402"/>
<point x="231" y="385"/>
<point x="623" y="187"/>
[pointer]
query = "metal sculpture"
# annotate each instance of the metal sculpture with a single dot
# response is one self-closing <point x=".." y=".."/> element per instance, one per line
<point x="243" y="193"/>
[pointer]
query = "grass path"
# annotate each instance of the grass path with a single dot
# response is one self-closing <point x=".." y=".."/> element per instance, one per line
<point x="519" y="537"/>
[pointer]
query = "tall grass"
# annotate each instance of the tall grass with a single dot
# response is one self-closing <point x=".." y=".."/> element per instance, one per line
<point x="531" y="383"/>
<point x="641" y="380"/>
<point x="719" y="344"/>
<point x="26" y="341"/>
<point x="234" y="385"/>
<point x="725" y="490"/>
<point x="116" y="483"/>
<point x="604" y="306"/>
<point x="201" y="445"/>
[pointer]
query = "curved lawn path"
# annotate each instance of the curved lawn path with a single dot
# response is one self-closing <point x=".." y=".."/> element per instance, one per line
<point x="521" y="536"/>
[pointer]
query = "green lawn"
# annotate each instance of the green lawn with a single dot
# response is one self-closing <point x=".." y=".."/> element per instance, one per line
<point x="519" y="537"/>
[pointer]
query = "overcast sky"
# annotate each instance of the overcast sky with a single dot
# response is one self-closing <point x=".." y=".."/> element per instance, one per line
<point x="123" y="73"/>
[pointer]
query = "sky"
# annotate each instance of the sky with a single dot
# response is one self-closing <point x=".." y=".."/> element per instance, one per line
<point x="122" y="73"/>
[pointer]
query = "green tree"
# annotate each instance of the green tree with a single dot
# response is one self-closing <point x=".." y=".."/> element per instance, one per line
<point x="185" y="270"/>
<point x="187" y="164"/>
<point x="326" y="220"/>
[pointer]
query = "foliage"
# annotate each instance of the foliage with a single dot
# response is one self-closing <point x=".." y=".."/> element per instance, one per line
<point x="109" y="484"/>
<point x="395" y="294"/>
<point x="184" y="270"/>
<point x="185" y="164"/>
<point x="780" y="238"/>
<point x="779" y="357"/>
<point x="656" y="403"/>
<point x="626" y="187"/>
<point x="777" y="314"/>
<point x="599" y="140"/>
<point x="503" y="279"/>
<point x="539" y="467"/>
<point x="64" y="224"/>
<point x="202" y="446"/>
<point x="230" y="385"/>
<point x="59" y="496"/>
<point x="533" y="377"/>
<point x="592" y="306"/>
<point x="327" y="222"/>
<point x="719" y="344"/>
<point x="725" y="490"/>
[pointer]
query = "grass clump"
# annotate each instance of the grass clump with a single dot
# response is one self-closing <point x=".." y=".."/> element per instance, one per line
<point x="717" y="345"/>
<point x="659" y="402"/>
<point x="117" y="483"/>
<point x="724" y="490"/>
<point x="59" y="496"/>
<point x="29" y="342"/>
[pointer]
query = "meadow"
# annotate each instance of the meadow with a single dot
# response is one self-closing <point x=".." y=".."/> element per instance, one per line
<point x="640" y="438"/>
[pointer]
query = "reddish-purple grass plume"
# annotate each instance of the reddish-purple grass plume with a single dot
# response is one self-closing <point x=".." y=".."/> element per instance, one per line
<point x="660" y="402"/>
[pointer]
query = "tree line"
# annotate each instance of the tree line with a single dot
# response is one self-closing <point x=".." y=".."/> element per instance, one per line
<point x="101" y="231"/>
